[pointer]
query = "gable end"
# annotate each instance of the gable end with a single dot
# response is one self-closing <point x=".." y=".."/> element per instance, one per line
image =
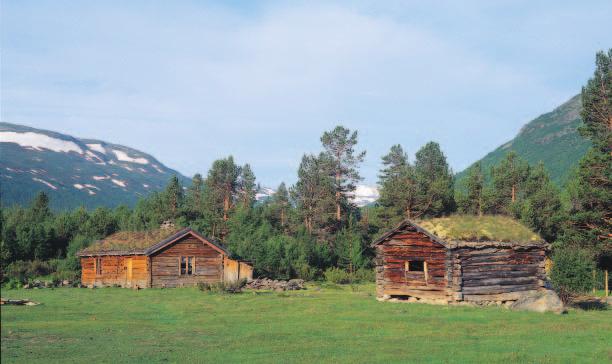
<point x="179" y="236"/>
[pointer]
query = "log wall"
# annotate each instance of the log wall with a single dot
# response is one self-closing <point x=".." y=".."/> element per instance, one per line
<point x="409" y="245"/>
<point x="166" y="264"/>
<point x="497" y="273"/>
<point x="124" y="271"/>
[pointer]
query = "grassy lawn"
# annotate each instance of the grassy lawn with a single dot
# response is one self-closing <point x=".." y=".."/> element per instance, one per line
<point x="333" y="324"/>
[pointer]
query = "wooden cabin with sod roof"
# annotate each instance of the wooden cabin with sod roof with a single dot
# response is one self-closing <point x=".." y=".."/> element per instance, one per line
<point x="488" y="259"/>
<point x="166" y="257"/>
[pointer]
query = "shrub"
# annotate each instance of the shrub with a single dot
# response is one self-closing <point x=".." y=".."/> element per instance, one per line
<point x="338" y="276"/>
<point x="572" y="271"/>
<point x="365" y="275"/>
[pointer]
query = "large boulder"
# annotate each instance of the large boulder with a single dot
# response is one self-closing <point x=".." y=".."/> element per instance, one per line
<point x="539" y="301"/>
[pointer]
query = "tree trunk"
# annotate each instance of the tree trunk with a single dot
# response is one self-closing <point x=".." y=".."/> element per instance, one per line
<point x="225" y="207"/>
<point x="513" y="193"/>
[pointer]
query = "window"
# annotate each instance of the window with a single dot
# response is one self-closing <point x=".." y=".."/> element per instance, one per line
<point x="187" y="265"/>
<point x="98" y="266"/>
<point x="415" y="266"/>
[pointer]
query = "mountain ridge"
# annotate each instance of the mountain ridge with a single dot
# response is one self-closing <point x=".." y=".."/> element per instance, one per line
<point x="552" y="138"/>
<point x="75" y="171"/>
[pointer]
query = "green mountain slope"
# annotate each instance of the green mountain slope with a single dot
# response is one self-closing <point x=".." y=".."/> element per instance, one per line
<point x="74" y="172"/>
<point x="551" y="138"/>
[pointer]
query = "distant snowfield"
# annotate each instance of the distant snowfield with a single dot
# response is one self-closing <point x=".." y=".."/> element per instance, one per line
<point x="122" y="156"/>
<point x="45" y="183"/>
<point x="119" y="182"/>
<point x="39" y="141"/>
<point x="365" y="195"/>
<point x="97" y="148"/>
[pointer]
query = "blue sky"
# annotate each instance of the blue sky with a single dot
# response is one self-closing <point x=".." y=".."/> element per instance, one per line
<point x="190" y="82"/>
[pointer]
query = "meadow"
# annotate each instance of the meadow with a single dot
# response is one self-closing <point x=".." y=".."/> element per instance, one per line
<point x="322" y="324"/>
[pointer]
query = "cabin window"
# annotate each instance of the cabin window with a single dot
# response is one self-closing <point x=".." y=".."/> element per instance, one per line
<point x="187" y="265"/>
<point x="415" y="266"/>
<point x="99" y="266"/>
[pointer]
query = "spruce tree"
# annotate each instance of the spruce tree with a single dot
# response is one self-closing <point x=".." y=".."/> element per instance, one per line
<point x="339" y="145"/>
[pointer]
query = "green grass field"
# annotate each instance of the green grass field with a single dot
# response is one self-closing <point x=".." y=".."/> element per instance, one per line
<point x="333" y="324"/>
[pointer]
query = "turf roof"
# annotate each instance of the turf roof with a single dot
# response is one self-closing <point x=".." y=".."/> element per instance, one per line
<point x="479" y="228"/>
<point x="135" y="242"/>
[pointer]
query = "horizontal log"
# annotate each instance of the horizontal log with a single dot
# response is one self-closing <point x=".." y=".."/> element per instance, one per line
<point x="501" y="281"/>
<point x="509" y="296"/>
<point x="499" y="289"/>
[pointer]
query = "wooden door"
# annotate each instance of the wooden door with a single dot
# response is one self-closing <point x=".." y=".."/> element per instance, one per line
<point x="128" y="271"/>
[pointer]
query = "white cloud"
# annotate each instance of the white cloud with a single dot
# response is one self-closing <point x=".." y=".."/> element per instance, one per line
<point x="206" y="81"/>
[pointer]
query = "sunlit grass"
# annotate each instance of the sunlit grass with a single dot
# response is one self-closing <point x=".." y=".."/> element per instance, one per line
<point x="316" y="325"/>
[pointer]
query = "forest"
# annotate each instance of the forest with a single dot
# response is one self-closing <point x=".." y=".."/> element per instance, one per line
<point x="312" y="229"/>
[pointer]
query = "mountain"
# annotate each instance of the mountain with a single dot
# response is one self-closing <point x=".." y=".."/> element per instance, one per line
<point x="74" y="172"/>
<point x="552" y="138"/>
<point x="365" y="195"/>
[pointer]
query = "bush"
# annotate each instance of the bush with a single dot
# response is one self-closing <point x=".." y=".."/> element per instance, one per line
<point x="364" y="275"/>
<point x="572" y="271"/>
<point x="338" y="276"/>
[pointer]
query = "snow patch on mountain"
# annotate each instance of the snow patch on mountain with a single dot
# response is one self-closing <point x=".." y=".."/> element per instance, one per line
<point x="93" y="157"/>
<point x="97" y="148"/>
<point x="364" y="195"/>
<point x="100" y="178"/>
<point x="119" y="182"/>
<point x="264" y="193"/>
<point x="45" y="183"/>
<point x="39" y="141"/>
<point x="124" y="157"/>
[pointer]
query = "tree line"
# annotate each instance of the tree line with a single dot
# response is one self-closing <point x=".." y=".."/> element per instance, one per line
<point x="313" y="225"/>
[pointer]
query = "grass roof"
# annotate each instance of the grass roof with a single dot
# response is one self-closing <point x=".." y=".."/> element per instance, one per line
<point x="129" y="241"/>
<point x="479" y="228"/>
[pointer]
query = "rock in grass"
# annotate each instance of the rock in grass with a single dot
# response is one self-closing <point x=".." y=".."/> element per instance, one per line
<point x="540" y="301"/>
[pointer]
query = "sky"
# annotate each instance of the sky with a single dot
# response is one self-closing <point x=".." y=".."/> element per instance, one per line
<point x="193" y="81"/>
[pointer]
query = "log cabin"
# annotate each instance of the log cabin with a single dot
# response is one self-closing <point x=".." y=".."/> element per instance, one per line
<point x="166" y="257"/>
<point x="480" y="260"/>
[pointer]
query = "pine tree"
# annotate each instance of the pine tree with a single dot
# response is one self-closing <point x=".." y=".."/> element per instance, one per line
<point x="509" y="178"/>
<point x="397" y="183"/>
<point x="435" y="195"/>
<point x="597" y="104"/>
<point x="474" y="202"/>
<point x="542" y="209"/>
<point x="314" y="192"/>
<point x="280" y="205"/>
<point x="174" y="196"/>
<point x="247" y="188"/>
<point x="221" y="186"/>
<point x="339" y="145"/>
<point x="195" y="196"/>
<point x="590" y="191"/>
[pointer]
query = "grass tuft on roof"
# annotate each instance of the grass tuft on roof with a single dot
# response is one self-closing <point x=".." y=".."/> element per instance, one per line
<point x="479" y="228"/>
<point x="129" y="241"/>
